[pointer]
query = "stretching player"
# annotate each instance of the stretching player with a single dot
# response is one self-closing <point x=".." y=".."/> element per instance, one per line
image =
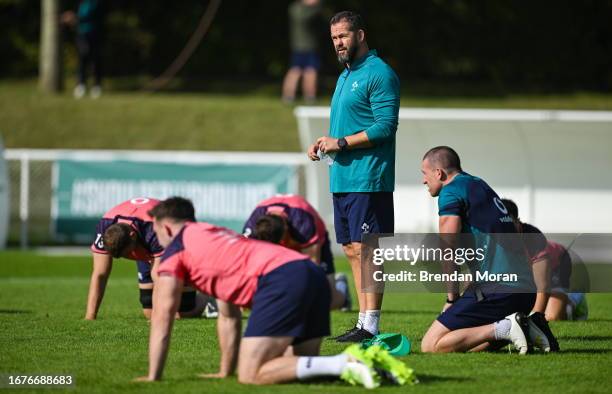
<point x="483" y="313"/>
<point x="127" y="231"/>
<point x="559" y="303"/>
<point x="288" y="294"/>
<point x="289" y="220"/>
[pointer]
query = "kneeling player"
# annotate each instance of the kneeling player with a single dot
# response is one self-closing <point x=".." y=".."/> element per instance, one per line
<point x="484" y="313"/>
<point x="288" y="294"/>
<point x="127" y="231"/>
<point x="557" y="303"/>
<point x="289" y="220"/>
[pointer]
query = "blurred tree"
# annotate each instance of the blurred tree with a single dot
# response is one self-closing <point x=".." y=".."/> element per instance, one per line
<point x="452" y="45"/>
<point x="50" y="69"/>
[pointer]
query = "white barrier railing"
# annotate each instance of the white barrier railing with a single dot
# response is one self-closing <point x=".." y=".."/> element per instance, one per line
<point x="557" y="165"/>
<point x="26" y="156"/>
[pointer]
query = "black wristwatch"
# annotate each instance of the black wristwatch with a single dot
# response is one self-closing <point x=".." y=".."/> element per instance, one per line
<point x="342" y="144"/>
<point x="449" y="301"/>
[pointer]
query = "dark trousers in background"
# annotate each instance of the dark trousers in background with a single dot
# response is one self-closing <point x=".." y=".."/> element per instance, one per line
<point x="88" y="46"/>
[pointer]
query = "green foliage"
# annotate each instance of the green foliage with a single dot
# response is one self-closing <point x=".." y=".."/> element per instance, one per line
<point x="544" y="46"/>
<point x="42" y="301"/>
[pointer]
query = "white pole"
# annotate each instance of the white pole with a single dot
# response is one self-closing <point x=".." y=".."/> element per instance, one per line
<point x="24" y="199"/>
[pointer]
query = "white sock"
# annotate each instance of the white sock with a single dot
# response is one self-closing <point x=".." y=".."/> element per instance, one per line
<point x="310" y="367"/>
<point x="360" y="320"/>
<point x="502" y="329"/>
<point x="370" y="323"/>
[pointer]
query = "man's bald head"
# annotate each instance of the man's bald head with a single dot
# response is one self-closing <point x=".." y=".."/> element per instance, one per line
<point x="445" y="158"/>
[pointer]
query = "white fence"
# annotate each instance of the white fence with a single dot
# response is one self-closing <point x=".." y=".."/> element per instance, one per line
<point x="33" y="173"/>
<point x="556" y="165"/>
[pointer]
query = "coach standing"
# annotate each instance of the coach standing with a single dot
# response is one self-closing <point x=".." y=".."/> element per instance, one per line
<point x="363" y="122"/>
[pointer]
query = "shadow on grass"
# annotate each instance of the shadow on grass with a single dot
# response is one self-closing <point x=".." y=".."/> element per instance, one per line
<point x="13" y="312"/>
<point x="587" y="337"/>
<point x="432" y="313"/>
<point x="425" y="378"/>
<point x="585" y="351"/>
<point x="600" y="320"/>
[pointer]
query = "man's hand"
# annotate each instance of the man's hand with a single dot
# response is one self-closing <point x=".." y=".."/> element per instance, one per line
<point x="218" y="375"/>
<point x="312" y="152"/>
<point x="328" y="144"/>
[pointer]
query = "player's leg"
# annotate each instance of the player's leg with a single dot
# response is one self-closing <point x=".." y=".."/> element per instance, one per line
<point x="440" y="339"/>
<point x="470" y="323"/>
<point x="292" y="78"/>
<point x="145" y="287"/>
<point x="368" y="213"/>
<point x="262" y="361"/>
<point x="338" y="284"/>
<point x="309" y="84"/>
<point x="192" y="303"/>
<point x="343" y="237"/>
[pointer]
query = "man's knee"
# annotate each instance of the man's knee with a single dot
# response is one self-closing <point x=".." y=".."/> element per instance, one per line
<point x="248" y="379"/>
<point x="146" y="298"/>
<point x="429" y="343"/>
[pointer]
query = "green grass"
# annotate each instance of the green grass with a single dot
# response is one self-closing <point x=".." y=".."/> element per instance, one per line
<point x="251" y="119"/>
<point x="42" y="302"/>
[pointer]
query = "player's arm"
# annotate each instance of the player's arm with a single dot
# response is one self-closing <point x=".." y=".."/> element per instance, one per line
<point x="166" y="300"/>
<point x="228" y="330"/>
<point x="384" y="100"/>
<point x="102" y="266"/>
<point x="356" y="141"/>
<point x="541" y="276"/>
<point x="450" y="224"/>
<point x="155" y="268"/>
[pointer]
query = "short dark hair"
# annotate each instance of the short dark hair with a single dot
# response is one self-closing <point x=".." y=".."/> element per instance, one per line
<point x="354" y="20"/>
<point x="511" y="207"/>
<point x="117" y="239"/>
<point x="445" y="157"/>
<point x="269" y="228"/>
<point x="175" y="208"/>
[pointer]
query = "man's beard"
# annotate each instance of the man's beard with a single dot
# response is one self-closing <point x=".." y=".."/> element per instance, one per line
<point x="348" y="56"/>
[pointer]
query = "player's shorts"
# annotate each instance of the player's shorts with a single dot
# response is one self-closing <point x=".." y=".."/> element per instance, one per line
<point x="291" y="301"/>
<point x="309" y="59"/>
<point x="327" y="257"/>
<point x="362" y="213"/>
<point x="468" y="311"/>
<point x="144" y="272"/>
<point x="561" y="274"/>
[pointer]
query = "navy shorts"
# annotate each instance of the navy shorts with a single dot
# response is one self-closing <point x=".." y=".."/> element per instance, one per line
<point x="327" y="257"/>
<point x="144" y="272"/>
<point x="467" y="311"/>
<point x="291" y="301"/>
<point x="362" y="213"/>
<point x="305" y="60"/>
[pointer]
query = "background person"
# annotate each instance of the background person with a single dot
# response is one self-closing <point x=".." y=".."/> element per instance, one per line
<point x="289" y="220"/>
<point x="305" y="20"/>
<point x="89" y="22"/>
<point x="559" y="303"/>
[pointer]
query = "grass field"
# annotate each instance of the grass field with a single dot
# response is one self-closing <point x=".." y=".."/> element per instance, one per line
<point x="42" y="301"/>
<point x="251" y="119"/>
